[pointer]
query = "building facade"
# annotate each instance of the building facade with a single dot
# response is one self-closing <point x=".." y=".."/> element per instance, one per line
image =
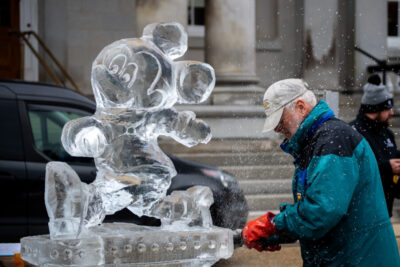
<point x="251" y="43"/>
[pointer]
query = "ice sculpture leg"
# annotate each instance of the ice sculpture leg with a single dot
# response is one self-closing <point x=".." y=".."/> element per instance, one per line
<point x="138" y="192"/>
<point x="154" y="186"/>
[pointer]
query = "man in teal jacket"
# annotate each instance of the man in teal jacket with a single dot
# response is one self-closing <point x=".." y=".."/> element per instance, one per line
<point x="339" y="213"/>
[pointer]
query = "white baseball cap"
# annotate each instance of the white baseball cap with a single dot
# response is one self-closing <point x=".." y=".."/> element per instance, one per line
<point x="277" y="96"/>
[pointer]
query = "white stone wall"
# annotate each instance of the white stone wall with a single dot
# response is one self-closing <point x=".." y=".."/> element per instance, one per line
<point x="76" y="31"/>
<point x="370" y="35"/>
<point x="279" y="40"/>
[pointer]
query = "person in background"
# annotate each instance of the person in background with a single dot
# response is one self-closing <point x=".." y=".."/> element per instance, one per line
<point x="339" y="213"/>
<point x="372" y="122"/>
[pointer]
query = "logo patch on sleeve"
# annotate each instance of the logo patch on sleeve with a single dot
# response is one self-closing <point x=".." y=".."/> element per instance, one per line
<point x="389" y="143"/>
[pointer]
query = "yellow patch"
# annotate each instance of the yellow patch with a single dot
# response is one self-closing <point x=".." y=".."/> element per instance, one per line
<point x="266" y="104"/>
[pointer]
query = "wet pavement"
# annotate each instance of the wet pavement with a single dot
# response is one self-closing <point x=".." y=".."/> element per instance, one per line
<point x="289" y="255"/>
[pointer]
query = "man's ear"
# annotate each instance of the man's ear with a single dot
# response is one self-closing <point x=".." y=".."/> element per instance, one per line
<point x="301" y="107"/>
<point x="372" y="116"/>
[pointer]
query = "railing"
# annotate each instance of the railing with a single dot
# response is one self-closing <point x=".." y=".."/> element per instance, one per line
<point x="382" y="66"/>
<point x="23" y="37"/>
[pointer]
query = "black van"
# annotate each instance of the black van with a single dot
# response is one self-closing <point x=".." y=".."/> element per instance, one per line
<point x="32" y="116"/>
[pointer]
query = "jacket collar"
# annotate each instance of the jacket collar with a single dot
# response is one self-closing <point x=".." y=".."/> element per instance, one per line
<point x="371" y="125"/>
<point x="320" y="113"/>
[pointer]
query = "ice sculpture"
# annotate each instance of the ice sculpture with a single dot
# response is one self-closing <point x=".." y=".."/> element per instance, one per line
<point x="135" y="82"/>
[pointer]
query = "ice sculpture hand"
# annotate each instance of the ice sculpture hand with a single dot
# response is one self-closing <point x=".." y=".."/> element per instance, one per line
<point x="261" y="233"/>
<point x="83" y="138"/>
<point x="135" y="83"/>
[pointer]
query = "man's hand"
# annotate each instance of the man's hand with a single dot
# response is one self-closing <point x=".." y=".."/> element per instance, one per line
<point x="395" y="163"/>
<point x="261" y="233"/>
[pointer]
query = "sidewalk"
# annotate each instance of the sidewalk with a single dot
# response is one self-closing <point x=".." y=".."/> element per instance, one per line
<point x="288" y="256"/>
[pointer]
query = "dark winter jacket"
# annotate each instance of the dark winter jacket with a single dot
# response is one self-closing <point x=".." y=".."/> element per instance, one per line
<point x="339" y="214"/>
<point x="383" y="144"/>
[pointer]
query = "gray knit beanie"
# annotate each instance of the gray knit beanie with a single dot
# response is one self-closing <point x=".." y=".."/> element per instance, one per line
<point x="375" y="98"/>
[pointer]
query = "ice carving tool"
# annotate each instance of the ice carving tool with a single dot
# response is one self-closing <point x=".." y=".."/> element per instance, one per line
<point x="237" y="239"/>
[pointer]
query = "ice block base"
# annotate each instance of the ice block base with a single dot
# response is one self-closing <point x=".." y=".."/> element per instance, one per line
<point x="123" y="244"/>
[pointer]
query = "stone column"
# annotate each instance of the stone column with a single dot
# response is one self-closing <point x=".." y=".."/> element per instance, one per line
<point x="151" y="11"/>
<point x="230" y="49"/>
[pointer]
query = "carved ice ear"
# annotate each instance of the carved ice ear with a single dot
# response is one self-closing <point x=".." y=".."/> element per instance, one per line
<point x="170" y="38"/>
<point x="195" y="81"/>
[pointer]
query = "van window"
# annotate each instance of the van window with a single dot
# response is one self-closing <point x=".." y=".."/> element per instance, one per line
<point x="47" y="123"/>
<point x="10" y="135"/>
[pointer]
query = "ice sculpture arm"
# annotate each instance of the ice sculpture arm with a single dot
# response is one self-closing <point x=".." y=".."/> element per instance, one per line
<point x="84" y="137"/>
<point x="182" y="126"/>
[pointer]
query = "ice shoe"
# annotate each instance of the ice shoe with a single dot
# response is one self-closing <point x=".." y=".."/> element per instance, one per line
<point x="66" y="204"/>
<point x="186" y="208"/>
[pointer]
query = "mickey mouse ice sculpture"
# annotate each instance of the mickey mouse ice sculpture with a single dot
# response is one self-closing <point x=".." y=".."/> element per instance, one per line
<point x="135" y="84"/>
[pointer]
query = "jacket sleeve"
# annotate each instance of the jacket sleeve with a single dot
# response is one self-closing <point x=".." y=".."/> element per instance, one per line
<point x="331" y="181"/>
<point x="385" y="169"/>
<point x="392" y="137"/>
<point x="384" y="165"/>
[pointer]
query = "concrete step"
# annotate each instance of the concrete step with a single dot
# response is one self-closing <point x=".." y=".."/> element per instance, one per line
<point x="222" y="146"/>
<point x="252" y="172"/>
<point x="232" y="121"/>
<point x="258" y="213"/>
<point x="224" y="111"/>
<point x="238" y="159"/>
<point x="396" y="211"/>
<point x="275" y="186"/>
<point x="254" y="214"/>
<point x="267" y="201"/>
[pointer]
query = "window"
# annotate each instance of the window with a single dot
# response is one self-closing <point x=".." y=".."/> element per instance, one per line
<point x="196" y="18"/>
<point x="393" y="18"/>
<point x="196" y="12"/>
<point x="47" y="123"/>
<point x="267" y="25"/>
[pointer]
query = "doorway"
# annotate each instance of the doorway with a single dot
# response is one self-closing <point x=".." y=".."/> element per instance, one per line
<point x="10" y="49"/>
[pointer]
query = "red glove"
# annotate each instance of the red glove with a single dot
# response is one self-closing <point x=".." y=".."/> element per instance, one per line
<point x="258" y="230"/>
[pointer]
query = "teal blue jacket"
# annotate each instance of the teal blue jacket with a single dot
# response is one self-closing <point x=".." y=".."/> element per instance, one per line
<point x="339" y="212"/>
